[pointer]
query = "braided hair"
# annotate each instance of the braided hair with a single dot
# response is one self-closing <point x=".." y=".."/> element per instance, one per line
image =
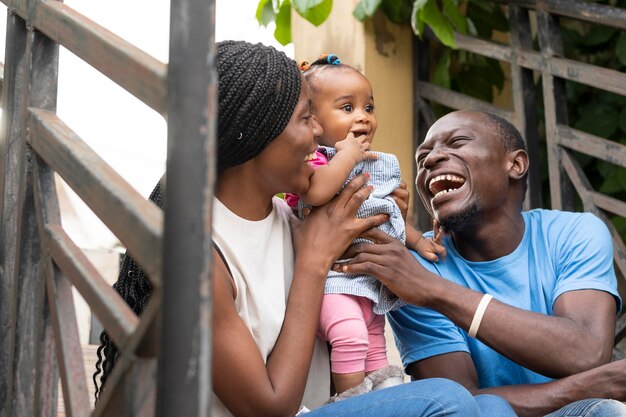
<point x="258" y="89"/>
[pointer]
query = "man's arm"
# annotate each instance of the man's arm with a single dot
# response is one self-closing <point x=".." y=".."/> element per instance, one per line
<point x="578" y="337"/>
<point x="530" y="400"/>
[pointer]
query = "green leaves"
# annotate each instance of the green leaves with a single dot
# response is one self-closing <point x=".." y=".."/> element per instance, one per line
<point x="279" y="11"/>
<point x="365" y="9"/>
<point x="440" y="24"/>
<point x="315" y="11"/>
<point x="283" y="23"/>
<point x="443" y="17"/>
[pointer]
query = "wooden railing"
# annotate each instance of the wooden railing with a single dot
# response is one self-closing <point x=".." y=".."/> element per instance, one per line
<point x="40" y="263"/>
<point x="565" y="174"/>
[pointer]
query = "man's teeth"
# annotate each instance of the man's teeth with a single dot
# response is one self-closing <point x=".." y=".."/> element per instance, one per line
<point x="444" y="191"/>
<point x="446" y="177"/>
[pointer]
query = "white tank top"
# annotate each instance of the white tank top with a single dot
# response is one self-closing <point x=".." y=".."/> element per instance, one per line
<point x="260" y="257"/>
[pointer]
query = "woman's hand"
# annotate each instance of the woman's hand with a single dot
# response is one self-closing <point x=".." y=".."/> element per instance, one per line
<point x="401" y="196"/>
<point x="327" y="231"/>
<point x="392" y="264"/>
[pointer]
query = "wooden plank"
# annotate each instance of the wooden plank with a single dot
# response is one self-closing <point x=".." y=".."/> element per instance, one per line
<point x="130" y="67"/>
<point x="610" y="204"/>
<point x="423" y="119"/>
<point x="69" y="353"/>
<point x="580" y="72"/>
<point x="591" y="75"/>
<point x="136" y="221"/>
<point x="583" y="10"/>
<point x="1" y="77"/>
<point x="185" y="369"/>
<point x="607" y="150"/>
<point x="525" y="104"/>
<point x="12" y="150"/>
<point x="111" y="398"/>
<point x="60" y="302"/>
<point x="115" y="315"/>
<point x="555" y="108"/>
<point x="583" y="187"/>
<point x="43" y="93"/>
<point x="29" y="311"/>
<point x="456" y="100"/>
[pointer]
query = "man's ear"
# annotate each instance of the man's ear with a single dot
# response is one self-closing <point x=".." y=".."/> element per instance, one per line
<point x="518" y="164"/>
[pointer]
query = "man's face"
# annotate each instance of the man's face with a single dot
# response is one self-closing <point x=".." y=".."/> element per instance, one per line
<point x="461" y="170"/>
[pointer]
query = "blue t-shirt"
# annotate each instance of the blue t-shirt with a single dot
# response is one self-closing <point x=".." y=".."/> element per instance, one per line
<point x="559" y="252"/>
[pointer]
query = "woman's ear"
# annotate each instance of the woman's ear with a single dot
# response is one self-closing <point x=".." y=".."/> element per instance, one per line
<point x="518" y="164"/>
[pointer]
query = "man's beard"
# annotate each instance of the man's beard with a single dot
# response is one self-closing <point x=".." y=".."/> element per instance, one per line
<point x="461" y="221"/>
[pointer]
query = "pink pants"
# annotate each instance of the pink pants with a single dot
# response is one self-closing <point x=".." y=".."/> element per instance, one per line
<point x="355" y="333"/>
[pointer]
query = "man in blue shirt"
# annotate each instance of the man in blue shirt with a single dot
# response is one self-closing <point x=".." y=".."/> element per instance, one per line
<point x="528" y="303"/>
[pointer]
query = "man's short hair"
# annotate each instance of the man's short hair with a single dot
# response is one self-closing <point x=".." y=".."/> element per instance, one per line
<point x="511" y="138"/>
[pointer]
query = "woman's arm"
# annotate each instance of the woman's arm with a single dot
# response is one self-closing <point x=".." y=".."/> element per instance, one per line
<point x="246" y="385"/>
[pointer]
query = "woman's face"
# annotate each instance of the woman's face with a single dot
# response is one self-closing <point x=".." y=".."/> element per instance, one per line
<point x="282" y="166"/>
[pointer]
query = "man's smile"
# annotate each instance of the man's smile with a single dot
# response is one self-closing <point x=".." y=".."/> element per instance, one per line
<point x="445" y="183"/>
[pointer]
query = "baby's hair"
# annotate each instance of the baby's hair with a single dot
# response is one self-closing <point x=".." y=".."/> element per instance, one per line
<point x="324" y="62"/>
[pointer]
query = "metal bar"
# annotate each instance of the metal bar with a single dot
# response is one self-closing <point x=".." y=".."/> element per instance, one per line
<point x="12" y="150"/>
<point x="607" y="150"/>
<point x="582" y="10"/>
<point x="115" y="315"/>
<point x="134" y="220"/>
<point x="185" y="369"/>
<point x="130" y="67"/>
<point x="456" y="100"/>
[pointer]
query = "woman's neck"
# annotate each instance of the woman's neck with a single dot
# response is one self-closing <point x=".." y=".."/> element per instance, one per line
<point x="240" y="192"/>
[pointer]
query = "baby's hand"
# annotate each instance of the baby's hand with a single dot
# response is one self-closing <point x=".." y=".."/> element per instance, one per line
<point x="430" y="247"/>
<point x="358" y="148"/>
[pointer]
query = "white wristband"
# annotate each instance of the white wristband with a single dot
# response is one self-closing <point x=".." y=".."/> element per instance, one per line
<point x="478" y="315"/>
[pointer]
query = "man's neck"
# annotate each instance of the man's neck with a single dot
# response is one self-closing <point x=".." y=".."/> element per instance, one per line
<point x="489" y="240"/>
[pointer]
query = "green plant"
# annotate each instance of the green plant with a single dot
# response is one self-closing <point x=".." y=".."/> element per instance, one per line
<point x="442" y="16"/>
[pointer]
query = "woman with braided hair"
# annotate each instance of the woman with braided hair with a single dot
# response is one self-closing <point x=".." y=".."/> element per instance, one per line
<point x="266" y="305"/>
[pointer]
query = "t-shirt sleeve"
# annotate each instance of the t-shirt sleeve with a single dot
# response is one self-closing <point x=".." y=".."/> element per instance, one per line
<point x="421" y="333"/>
<point x="585" y="251"/>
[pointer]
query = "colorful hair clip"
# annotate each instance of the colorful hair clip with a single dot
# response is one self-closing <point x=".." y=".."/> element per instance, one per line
<point x="333" y="59"/>
<point x="304" y="65"/>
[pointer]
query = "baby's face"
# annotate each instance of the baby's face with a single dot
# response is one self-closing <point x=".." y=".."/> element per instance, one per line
<point x="343" y="102"/>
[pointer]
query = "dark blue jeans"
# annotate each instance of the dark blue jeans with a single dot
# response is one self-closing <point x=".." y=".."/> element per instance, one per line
<point x="434" y="397"/>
